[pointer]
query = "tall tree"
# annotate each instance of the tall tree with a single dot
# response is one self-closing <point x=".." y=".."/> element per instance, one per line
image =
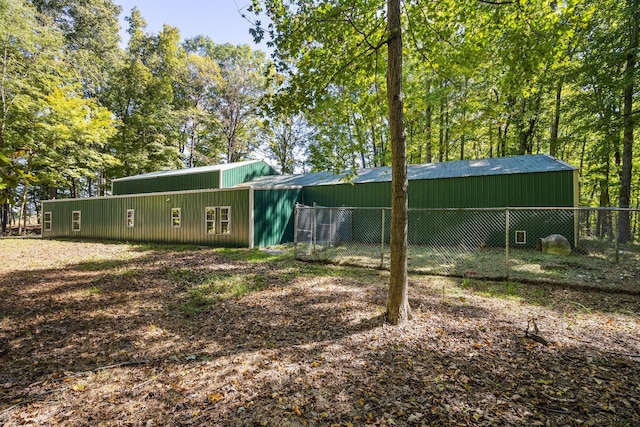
<point x="232" y="88"/>
<point x="90" y="30"/>
<point x="398" y="310"/>
<point x="286" y="138"/>
<point x="30" y="67"/>
<point x="142" y="95"/>
<point x="624" y="222"/>
<point x="319" y="45"/>
<point x="236" y="98"/>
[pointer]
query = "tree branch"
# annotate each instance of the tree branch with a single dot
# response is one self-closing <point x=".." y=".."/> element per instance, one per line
<point x="496" y="3"/>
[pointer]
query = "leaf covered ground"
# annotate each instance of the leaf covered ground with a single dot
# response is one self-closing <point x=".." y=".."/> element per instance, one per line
<point x="114" y="334"/>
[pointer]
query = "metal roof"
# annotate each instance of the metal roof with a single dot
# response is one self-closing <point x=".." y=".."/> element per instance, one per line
<point x="454" y="169"/>
<point x="187" y="171"/>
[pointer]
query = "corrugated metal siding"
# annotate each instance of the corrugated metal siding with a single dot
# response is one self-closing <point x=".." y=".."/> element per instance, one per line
<point x="105" y="218"/>
<point x="200" y="178"/>
<point x="375" y="194"/>
<point x="243" y="173"/>
<point x="554" y="188"/>
<point x="274" y="215"/>
<point x="529" y="189"/>
<point x="157" y="184"/>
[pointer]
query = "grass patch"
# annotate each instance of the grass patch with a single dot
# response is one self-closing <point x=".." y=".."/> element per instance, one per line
<point x="185" y="276"/>
<point x="256" y="255"/>
<point x="201" y="295"/>
<point x="143" y="247"/>
<point x="94" y="290"/>
<point x="127" y="272"/>
<point x="506" y="290"/>
<point x="593" y="265"/>
<point x="99" y="265"/>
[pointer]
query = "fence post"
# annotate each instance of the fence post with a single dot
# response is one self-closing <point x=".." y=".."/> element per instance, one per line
<point x="330" y="225"/>
<point x="616" y="235"/>
<point x="506" y="240"/>
<point x="314" y="228"/>
<point x="295" y="231"/>
<point x="382" y="242"/>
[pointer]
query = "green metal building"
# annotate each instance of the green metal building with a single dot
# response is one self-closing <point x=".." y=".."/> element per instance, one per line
<point x="201" y="178"/>
<point x="518" y="181"/>
<point x="198" y="206"/>
<point x="247" y="205"/>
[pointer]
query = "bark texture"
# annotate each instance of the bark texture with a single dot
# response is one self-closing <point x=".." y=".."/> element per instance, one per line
<point x="398" y="301"/>
<point x="624" y="223"/>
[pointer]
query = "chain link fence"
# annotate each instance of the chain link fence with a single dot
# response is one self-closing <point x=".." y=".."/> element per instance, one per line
<point x="580" y="246"/>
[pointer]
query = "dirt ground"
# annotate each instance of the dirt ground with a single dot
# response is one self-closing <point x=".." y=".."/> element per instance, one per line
<point x="105" y="334"/>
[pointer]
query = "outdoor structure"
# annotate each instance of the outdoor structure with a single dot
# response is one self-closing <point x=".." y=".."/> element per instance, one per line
<point x="518" y="181"/>
<point x="246" y="204"/>
<point x="197" y="206"/>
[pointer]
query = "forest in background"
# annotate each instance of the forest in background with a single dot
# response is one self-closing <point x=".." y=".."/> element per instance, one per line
<point x="481" y="79"/>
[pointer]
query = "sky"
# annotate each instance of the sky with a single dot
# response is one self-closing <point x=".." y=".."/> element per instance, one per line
<point x="221" y="20"/>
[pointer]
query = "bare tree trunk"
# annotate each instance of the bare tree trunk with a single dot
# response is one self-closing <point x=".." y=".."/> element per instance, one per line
<point x="103" y="183"/>
<point x="490" y="139"/>
<point x="553" y="141"/>
<point x="398" y="310"/>
<point x="429" y="120"/>
<point x="4" y="217"/>
<point x="441" y="132"/>
<point x="22" y="219"/>
<point x="447" y="135"/>
<point x="624" y="223"/>
<point x="429" y="153"/>
<point x="376" y="161"/>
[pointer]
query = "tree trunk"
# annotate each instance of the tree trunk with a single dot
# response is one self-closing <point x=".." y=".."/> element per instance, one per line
<point x="490" y="139"/>
<point x="428" y="120"/>
<point x="103" y="183"/>
<point x="527" y="128"/>
<point x="22" y="226"/>
<point x="624" y="223"/>
<point x="428" y="149"/>
<point x="22" y="219"/>
<point x="398" y="310"/>
<point x="5" y="217"/>
<point x="553" y="141"/>
<point x="376" y="161"/>
<point x="441" y="132"/>
<point x="447" y="135"/>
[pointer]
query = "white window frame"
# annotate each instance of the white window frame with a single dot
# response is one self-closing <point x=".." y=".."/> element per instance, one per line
<point x="225" y="221"/>
<point x="175" y="224"/>
<point x="131" y="218"/>
<point x="46" y="221"/>
<point x="215" y="222"/>
<point x="210" y="223"/>
<point x="521" y="237"/>
<point x="76" y="224"/>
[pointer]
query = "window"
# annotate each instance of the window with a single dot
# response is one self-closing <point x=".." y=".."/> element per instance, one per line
<point x="76" y="218"/>
<point x="521" y="237"/>
<point x="176" y="216"/>
<point x="47" y="221"/>
<point x="131" y="218"/>
<point x="218" y="220"/>
<point x="210" y="214"/>
<point x="225" y="220"/>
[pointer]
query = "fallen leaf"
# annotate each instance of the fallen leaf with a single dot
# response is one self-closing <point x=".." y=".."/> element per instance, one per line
<point x="215" y="397"/>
